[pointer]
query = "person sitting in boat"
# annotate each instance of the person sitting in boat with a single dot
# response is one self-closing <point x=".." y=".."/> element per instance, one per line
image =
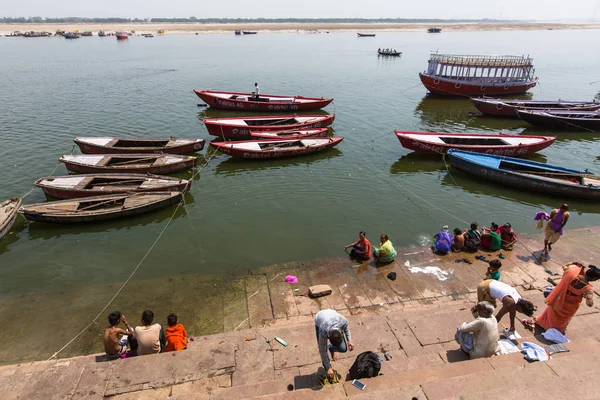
<point x="443" y="241"/>
<point x="256" y="91"/>
<point x="490" y="238"/>
<point x="508" y="236"/>
<point x="472" y="238"/>
<point x="385" y="253"/>
<point x="361" y="248"/>
<point x="459" y="240"/>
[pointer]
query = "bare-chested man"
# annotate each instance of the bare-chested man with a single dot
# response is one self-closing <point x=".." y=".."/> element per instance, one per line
<point x="112" y="344"/>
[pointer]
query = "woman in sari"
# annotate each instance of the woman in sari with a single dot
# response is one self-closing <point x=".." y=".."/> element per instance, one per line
<point x="385" y="253"/>
<point x="563" y="301"/>
<point x="554" y="227"/>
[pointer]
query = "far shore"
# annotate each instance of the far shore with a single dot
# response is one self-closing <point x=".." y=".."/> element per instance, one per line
<point x="197" y="28"/>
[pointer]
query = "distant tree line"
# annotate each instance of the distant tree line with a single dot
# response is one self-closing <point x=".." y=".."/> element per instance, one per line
<point x="37" y="20"/>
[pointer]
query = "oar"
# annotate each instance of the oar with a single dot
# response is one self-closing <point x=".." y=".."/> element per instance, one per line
<point x="279" y="121"/>
<point x="116" y="183"/>
<point x="134" y="161"/>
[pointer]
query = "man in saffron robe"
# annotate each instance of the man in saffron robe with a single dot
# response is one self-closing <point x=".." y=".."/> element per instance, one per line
<point x="175" y="334"/>
<point x="554" y="227"/>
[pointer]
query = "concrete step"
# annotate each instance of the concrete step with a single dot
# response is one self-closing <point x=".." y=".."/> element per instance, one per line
<point x="325" y="392"/>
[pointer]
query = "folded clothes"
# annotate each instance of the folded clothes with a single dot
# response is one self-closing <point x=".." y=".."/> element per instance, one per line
<point x="534" y="352"/>
<point x="505" y="346"/>
<point x="555" y="336"/>
<point x="556" y="348"/>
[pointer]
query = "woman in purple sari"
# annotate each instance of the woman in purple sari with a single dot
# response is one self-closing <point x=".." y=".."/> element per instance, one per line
<point x="554" y="227"/>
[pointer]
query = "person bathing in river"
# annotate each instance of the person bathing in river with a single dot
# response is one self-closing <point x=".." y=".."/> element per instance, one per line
<point x="385" y="253"/>
<point x="490" y="238"/>
<point x="115" y="338"/>
<point x="361" y="248"/>
<point x="459" y="240"/>
<point x="508" y="236"/>
<point x="443" y="241"/>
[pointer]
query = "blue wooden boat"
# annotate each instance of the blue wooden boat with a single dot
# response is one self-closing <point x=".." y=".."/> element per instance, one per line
<point x="528" y="175"/>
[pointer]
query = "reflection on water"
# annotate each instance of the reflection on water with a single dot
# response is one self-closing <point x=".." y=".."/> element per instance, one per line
<point x="231" y="166"/>
<point x="418" y="162"/>
<point x="43" y="231"/>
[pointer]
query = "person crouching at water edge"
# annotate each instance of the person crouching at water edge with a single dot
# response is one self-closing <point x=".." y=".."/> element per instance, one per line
<point x="443" y="241"/>
<point x="491" y="290"/>
<point x="332" y="326"/>
<point x="479" y="338"/>
<point x="361" y="248"/>
<point x="385" y="253"/>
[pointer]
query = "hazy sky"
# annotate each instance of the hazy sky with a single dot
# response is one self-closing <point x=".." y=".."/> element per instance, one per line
<point x="497" y="9"/>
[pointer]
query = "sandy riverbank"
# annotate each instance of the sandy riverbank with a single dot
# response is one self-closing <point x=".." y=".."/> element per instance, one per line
<point x="192" y="28"/>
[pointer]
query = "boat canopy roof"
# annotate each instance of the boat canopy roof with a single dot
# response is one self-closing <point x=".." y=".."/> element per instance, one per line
<point x="481" y="60"/>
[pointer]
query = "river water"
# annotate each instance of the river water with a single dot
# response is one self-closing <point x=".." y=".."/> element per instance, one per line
<point x="244" y="214"/>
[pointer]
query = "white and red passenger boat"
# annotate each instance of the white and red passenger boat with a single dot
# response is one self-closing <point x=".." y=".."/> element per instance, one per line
<point x="264" y="102"/>
<point x="293" y="134"/>
<point x="261" y="149"/>
<point x="473" y="75"/>
<point x="112" y="145"/>
<point x="509" y="107"/>
<point x="501" y="144"/>
<point x="240" y="127"/>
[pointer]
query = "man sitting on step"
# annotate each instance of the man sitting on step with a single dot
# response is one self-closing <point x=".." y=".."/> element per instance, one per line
<point x="332" y="326"/>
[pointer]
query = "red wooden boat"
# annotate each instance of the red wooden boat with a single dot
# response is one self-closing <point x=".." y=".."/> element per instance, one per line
<point x="501" y="144"/>
<point x="128" y="163"/>
<point x="509" y="107"/>
<point x="469" y="75"/>
<point x="122" y="36"/>
<point x="293" y="134"/>
<point x="261" y="149"/>
<point x="240" y="127"/>
<point x="99" y="208"/>
<point x="265" y="102"/>
<point x="72" y="186"/>
<point x="8" y="214"/>
<point x="111" y="145"/>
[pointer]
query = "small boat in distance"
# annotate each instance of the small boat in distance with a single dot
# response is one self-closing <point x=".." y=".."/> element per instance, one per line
<point x="509" y="107"/>
<point x="579" y="121"/>
<point x="111" y="145"/>
<point x="148" y="35"/>
<point x="501" y="144"/>
<point x="365" y="34"/>
<point x="262" y="149"/>
<point x="238" y="32"/>
<point x="99" y="208"/>
<point x="122" y="36"/>
<point x="249" y="32"/>
<point x="14" y="34"/>
<point x="101" y="34"/>
<point x="264" y="102"/>
<point x="528" y="175"/>
<point x="478" y="75"/>
<point x="391" y="53"/>
<point x="434" y="30"/>
<point x="71" y="35"/>
<point x="8" y="214"/>
<point x="240" y="127"/>
<point x="127" y="163"/>
<point x="291" y="134"/>
<point x="73" y="186"/>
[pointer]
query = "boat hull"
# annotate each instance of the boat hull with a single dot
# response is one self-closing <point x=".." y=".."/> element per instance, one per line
<point x="508" y="110"/>
<point x="165" y="169"/>
<point x="556" y="121"/>
<point x="68" y="218"/>
<point x="90" y="148"/>
<point x="252" y="105"/>
<point x="233" y="131"/>
<point x="297" y="134"/>
<point x="520" y="181"/>
<point x="230" y="149"/>
<point x="429" y="147"/>
<point x="169" y="184"/>
<point x="451" y="87"/>
<point x="11" y="208"/>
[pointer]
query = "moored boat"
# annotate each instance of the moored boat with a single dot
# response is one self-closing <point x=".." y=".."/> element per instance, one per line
<point x="101" y="33"/>
<point x="122" y="36"/>
<point x="528" y="175"/>
<point x="509" y="107"/>
<point x="127" y="163"/>
<point x="8" y="214"/>
<point x="249" y="32"/>
<point x="392" y="53"/>
<point x="238" y="32"/>
<point x="111" y="145"/>
<point x="501" y="144"/>
<point x="265" y="102"/>
<point x="261" y="149"/>
<point x="240" y="127"/>
<point x="71" y="35"/>
<point x="475" y="75"/>
<point x="99" y="208"/>
<point x="564" y="120"/>
<point x="291" y="134"/>
<point x="365" y="34"/>
<point x="434" y="30"/>
<point x="85" y="185"/>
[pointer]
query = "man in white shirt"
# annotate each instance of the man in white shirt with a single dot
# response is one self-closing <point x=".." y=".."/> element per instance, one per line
<point x="492" y="290"/>
<point x="150" y="337"/>
<point x="256" y="90"/>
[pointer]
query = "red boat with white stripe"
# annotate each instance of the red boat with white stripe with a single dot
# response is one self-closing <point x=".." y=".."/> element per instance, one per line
<point x="501" y="144"/>
<point x="264" y="102"/>
<point x="111" y="145"/>
<point x="261" y="149"/>
<point x="240" y="127"/>
<point x="293" y="134"/>
<point x="509" y="107"/>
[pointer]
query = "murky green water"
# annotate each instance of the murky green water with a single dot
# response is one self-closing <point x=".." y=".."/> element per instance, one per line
<point x="244" y="214"/>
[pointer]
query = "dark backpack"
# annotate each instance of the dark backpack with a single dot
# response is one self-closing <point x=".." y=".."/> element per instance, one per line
<point x="366" y="365"/>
